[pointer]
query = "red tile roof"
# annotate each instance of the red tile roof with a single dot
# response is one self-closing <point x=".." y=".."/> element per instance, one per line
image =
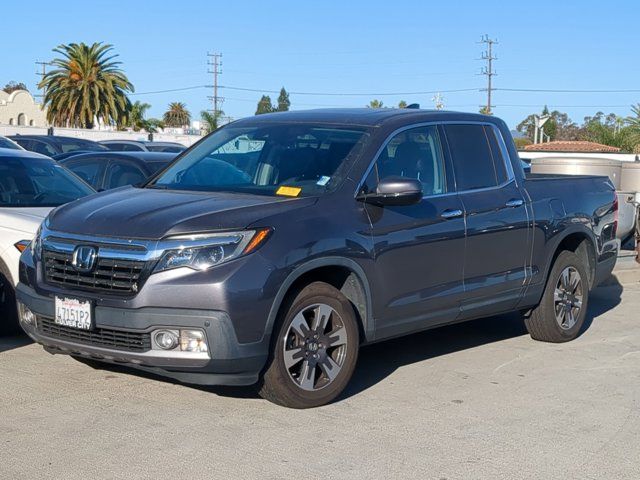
<point x="571" y="146"/>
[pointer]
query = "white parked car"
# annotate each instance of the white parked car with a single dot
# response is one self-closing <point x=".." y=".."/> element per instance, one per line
<point x="30" y="186"/>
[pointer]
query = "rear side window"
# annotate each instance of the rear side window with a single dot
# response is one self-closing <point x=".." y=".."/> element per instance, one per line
<point x="88" y="170"/>
<point x="473" y="159"/>
<point x="42" y="148"/>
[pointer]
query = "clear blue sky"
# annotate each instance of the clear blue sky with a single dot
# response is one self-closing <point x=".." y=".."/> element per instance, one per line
<point x="347" y="46"/>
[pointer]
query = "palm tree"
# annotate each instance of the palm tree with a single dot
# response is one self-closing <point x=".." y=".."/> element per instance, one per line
<point x="634" y="128"/>
<point x="177" y="115"/>
<point x="375" y="104"/>
<point x="86" y="85"/>
<point x="210" y="121"/>
<point x="136" y="118"/>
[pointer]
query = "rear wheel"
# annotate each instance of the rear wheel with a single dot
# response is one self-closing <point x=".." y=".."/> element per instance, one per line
<point x="315" y="351"/>
<point x="561" y="313"/>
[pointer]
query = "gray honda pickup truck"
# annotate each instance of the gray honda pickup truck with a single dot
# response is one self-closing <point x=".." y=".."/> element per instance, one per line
<point x="270" y="251"/>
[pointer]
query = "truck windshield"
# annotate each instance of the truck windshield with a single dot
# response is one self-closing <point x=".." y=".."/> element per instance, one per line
<point x="273" y="159"/>
<point x="38" y="182"/>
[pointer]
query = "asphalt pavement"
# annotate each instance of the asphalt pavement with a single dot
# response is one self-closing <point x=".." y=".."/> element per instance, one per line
<point x="479" y="400"/>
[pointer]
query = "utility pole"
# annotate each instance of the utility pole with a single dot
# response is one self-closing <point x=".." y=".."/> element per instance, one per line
<point x="487" y="70"/>
<point x="215" y="64"/>
<point x="42" y="73"/>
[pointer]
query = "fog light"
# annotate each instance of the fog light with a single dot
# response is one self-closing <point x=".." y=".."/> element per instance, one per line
<point x="193" y="341"/>
<point x="26" y="315"/>
<point x="166" y="339"/>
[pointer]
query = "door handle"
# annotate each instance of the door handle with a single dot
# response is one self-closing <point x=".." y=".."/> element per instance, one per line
<point x="516" y="202"/>
<point x="447" y="214"/>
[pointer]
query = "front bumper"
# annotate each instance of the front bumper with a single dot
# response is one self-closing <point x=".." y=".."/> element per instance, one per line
<point x="230" y="362"/>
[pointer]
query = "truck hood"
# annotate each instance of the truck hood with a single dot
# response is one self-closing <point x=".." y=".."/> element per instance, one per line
<point x="151" y="214"/>
<point x="25" y="220"/>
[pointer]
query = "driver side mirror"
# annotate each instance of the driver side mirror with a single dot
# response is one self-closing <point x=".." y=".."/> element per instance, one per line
<point x="394" y="191"/>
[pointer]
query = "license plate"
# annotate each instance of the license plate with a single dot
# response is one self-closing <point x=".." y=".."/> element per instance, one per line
<point x="73" y="313"/>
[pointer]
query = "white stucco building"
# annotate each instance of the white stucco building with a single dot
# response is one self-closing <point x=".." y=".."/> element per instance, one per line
<point x="20" y="108"/>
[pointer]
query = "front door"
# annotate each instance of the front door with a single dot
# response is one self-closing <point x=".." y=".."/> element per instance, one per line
<point x="418" y="249"/>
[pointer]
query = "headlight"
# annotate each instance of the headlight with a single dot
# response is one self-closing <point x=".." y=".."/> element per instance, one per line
<point x="201" y="252"/>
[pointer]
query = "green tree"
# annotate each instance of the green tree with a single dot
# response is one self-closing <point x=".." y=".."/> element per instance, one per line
<point x="375" y="104"/>
<point x="135" y="117"/>
<point x="264" y="105"/>
<point x="177" y="115"/>
<point x="152" y="125"/>
<point x="484" y="110"/>
<point x="402" y="104"/>
<point x="633" y="124"/>
<point x="283" y="101"/>
<point x="13" y="86"/>
<point x="558" y="127"/>
<point x="210" y="121"/>
<point x="87" y="84"/>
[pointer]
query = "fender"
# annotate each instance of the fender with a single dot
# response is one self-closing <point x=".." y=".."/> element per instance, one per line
<point x="368" y="323"/>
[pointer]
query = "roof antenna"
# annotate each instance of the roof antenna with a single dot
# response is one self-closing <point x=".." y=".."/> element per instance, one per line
<point x="414" y="106"/>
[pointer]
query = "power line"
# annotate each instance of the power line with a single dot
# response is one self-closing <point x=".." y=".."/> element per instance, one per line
<point x="543" y="90"/>
<point x="171" y="90"/>
<point x="488" y="71"/>
<point x="334" y="94"/>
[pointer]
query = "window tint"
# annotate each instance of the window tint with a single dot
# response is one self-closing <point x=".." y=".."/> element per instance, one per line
<point x="6" y="143"/>
<point x="37" y="182"/>
<point x="414" y="153"/>
<point x="43" y="148"/>
<point x="472" y="159"/>
<point x="73" y="144"/>
<point x="498" y="158"/>
<point x="88" y="170"/>
<point x="120" y="174"/>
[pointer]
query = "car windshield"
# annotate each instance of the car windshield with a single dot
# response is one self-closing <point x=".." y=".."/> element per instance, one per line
<point x="38" y="182"/>
<point x="6" y="143"/>
<point x="273" y="159"/>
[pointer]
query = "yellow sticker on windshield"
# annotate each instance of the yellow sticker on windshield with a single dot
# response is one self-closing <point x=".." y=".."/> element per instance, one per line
<point x="289" y="191"/>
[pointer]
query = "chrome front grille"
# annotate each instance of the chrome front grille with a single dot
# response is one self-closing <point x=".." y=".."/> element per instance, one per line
<point x="108" y="275"/>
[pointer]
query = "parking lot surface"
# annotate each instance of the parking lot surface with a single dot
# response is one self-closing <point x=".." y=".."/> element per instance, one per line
<point x="476" y="400"/>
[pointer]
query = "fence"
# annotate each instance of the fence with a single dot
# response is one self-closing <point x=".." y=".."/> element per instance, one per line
<point x="97" y="135"/>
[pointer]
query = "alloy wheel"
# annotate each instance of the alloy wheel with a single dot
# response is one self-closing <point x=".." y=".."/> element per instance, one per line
<point x="567" y="298"/>
<point x="315" y="347"/>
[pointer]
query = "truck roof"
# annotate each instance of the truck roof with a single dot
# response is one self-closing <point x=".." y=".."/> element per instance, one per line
<point x="370" y="117"/>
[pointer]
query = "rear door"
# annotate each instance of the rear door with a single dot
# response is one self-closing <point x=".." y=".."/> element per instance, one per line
<point x="418" y="249"/>
<point x="497" y="222"/>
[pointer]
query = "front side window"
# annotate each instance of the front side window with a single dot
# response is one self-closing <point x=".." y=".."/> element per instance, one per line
<point x="475" y="164"/>
<point x="120" y="174"/>
<point x="38" y="182"/>
<point x="271" y="159"/>
<point x="414" y="153"/>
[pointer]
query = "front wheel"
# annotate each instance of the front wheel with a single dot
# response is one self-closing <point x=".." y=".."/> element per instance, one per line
<point x="561" y="313"/>
<point x="8" y="310"/>
<point x="315" y="351"/>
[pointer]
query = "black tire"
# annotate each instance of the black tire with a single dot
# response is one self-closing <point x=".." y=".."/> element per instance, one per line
<point x="289" y="385"/>
<point x="549" y="321"/>
<point x="8" y="309"/>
